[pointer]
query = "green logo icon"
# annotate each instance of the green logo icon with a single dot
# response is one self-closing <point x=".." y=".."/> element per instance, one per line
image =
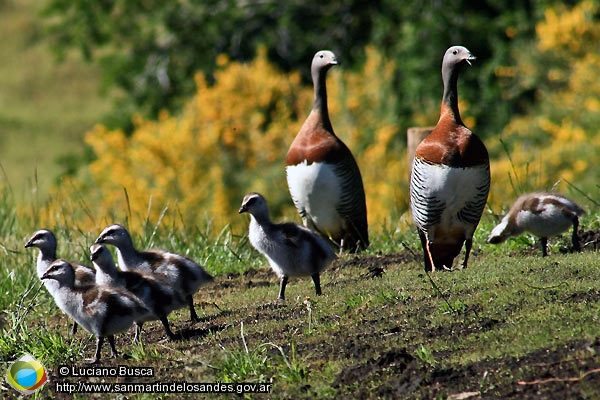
<point x="26" y="374"/>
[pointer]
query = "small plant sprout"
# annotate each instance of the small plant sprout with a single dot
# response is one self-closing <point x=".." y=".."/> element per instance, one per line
<point x="425" y="355"/>
<point x="308" y="305"/>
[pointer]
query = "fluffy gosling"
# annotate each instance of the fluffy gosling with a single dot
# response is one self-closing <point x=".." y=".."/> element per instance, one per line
<point x="291" y="249"/>
<point x="46" y="242"/>
<point x="543" y="214"/>
<point x="151" y="289"/>
<point x="101" y="310"/>
<point x="180" y="272"/>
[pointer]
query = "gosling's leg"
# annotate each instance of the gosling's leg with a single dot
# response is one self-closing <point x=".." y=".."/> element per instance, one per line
<point x="282" y="284"/>
<point x="138" y="332"/>
<point x="99" y="343"/>
<point x="544" y="244"/>
<point x="113" y="349"/>
<point x="165" y="323"/>
<point x="193" y="316"/>
<point x="575" y="238"/>
<point x="317" y="280"/>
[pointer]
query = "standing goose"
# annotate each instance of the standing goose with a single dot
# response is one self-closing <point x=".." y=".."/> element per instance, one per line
<point x="151" y="289"/>
<point x="450" y="178"/>
<point x="322" y="175"/>
<point x="180" y="272"/>
<point x="544" y="215"/>
<point x="291" y="249"/>
<point x="46" y="242"/>
<point x="101" y="310"/>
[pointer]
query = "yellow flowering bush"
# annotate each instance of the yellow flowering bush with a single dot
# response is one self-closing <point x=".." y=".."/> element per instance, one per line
<point x="362" y="108"/>
<point x="569" y="30"/>
<point x="559" y="141"/>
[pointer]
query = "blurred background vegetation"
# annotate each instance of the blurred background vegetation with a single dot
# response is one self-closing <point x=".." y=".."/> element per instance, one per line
<point x="151" y="109"/>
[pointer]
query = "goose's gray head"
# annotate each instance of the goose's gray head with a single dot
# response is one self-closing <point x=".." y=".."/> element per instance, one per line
<point x="457" y="55"/>
<point x="324" y="59"/>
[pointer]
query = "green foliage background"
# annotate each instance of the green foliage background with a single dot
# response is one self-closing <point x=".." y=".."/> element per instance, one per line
<point x="151" y="49"/>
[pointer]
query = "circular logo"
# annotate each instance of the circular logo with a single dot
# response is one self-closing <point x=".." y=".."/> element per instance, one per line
<point x="26" y="374"/>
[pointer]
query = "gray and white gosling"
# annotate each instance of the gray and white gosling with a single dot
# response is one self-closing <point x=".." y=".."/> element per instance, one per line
<point x="291" y="249"/>
<point x="543" y="214"/>
<point x="101" y="310"/>
<point x="151" y="289"/>
<point x="180" y="272"/>
<point x="46" y="242"/>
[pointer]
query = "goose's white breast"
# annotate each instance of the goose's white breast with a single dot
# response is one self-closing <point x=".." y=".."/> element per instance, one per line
<point x="316" y="188"/>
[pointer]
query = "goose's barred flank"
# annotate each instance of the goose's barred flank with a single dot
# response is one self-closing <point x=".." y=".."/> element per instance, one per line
<point x="323" y="177"/>
<point x="450" y="177"/>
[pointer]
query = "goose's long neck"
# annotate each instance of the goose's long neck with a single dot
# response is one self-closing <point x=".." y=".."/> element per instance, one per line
<point x="320" y="99"/>
<point x="450" y="97"/>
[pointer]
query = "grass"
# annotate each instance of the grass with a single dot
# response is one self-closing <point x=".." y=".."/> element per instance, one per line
<point x="511" y="316"/>
<point x="44" y="103"/>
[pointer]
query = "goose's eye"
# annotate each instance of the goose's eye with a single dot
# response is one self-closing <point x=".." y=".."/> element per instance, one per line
<point x="455" y="52"/>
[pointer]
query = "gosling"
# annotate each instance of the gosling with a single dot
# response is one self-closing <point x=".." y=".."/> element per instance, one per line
<point x="151" y="289"/>
<point x="180" y="272"/>
<point x="45" y="241"/>
<point x="291" y="249"/>
<point x="101" y="310"/>
<point x="542" y="214"/>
